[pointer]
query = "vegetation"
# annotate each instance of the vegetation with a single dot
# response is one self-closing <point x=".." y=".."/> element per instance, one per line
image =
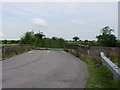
<point x="27" y="42"/>
<point x="7" y="44"/>
<point x="28" y="38"/>
<point x="118" y="43"/>
<point x="86" y="42"/>
<point x="76" y="38"/>
<point x="107" y="38"/>
<point x="39" y="40"/>
<point x="9" y="41"/>
<point x="99" y="75"/>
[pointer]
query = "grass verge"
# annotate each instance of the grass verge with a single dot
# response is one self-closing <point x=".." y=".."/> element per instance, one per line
<point x="99" y="75"/>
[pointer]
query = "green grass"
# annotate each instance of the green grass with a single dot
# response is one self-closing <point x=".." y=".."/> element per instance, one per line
<point x="73" y="42"/>
<point x="116" y="61"/>
<point x="7" y="44"/>
<point x="99" y="75"/>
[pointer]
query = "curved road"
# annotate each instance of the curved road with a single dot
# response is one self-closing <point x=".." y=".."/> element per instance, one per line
<point x="44" y="69"/>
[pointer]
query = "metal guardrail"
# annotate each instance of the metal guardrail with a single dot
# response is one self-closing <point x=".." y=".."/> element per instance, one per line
<point x="112" y="67"/>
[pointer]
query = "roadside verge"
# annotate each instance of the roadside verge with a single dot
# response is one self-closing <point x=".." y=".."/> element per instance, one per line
<point x="99" y="75"/>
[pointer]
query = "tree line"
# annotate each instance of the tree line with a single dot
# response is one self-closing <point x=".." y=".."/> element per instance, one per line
<point x="9" y="41"/>
<point x="40" y="40"/>
<point x="106" y="38"/>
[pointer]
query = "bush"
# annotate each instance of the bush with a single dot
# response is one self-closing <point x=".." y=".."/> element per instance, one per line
<point x="39" y="40"/>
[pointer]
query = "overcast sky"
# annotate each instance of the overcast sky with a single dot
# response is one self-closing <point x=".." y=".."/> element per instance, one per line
<point x="58" y="19"/>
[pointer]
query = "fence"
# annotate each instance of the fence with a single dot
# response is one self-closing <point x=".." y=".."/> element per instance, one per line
<point x="112" y="67"/>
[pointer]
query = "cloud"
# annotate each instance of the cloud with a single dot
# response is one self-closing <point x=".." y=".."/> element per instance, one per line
<point x="73" y="21"/>
<point x="39" y="22"/>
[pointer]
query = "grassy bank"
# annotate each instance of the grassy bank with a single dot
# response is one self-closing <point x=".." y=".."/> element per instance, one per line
<point x="99" y="75"/>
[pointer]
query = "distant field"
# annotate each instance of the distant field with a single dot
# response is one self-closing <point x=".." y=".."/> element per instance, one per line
<point x="7" y="44"/>
<point x="73" y="42"/>
<point x="78" y="42"/>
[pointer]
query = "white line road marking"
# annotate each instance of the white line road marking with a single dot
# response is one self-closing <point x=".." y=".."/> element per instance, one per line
<point x="48" y="51"/>
<point x="63" y="51"/>
<point x="30" y="51"/>
<point x="44" y="64"/>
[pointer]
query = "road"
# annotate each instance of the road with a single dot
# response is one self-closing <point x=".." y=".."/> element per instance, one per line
<point x="44" y="69"/>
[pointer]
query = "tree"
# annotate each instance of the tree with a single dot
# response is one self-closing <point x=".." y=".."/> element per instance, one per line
<point x="86" y="41"/>
<point x="39" y="35"/>
<point x="54" y="38"/>
<point x="28" y="38"/>
<point x="13" y="41"/>
<point x="107" y="30"/>
<point x="4" y="41"/>
<point x="39" y="40"/>
<point x="107" y="38"/>
<point x="75" y="38"/>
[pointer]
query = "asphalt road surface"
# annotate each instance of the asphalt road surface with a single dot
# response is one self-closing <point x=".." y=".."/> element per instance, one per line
<point x="44" y="69"/>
